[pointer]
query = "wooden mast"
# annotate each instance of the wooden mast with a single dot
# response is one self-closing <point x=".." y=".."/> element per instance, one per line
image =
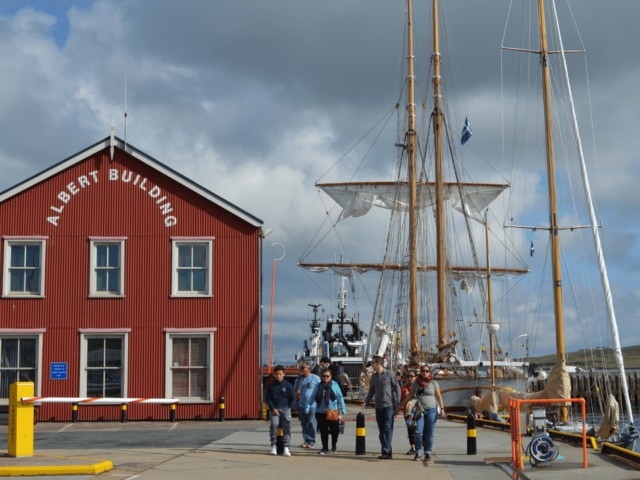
<point x="411" y="150"/>
<point x="437" y="131"/>
<point x="553" y="211"/>
<point x="490" y="308"/>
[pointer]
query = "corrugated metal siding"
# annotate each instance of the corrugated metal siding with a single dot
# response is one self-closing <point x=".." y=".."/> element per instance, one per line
<point x="115" y="208"/>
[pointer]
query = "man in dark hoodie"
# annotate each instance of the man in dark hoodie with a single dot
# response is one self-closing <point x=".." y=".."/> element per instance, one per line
<point x="281" y="398"/>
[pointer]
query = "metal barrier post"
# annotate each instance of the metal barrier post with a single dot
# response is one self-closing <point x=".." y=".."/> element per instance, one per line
<point x="280" y="441"/>
<point x="512" y="420"/>
<point x="472" y="446"/>
<point x="584" y="434"/>
<point x="264" y="411"/>
<point x="20" y="420"/>
<point x="74" y="412"/>
<point x="519" y="464"/>
<point x="361" y="448"/>
<point x="123" y="413"/>
<point x="222" y="409"/>
<point x="172" y="412"/>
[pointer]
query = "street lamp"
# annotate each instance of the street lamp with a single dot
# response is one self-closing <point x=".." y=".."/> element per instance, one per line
<point x="511" y="344"/>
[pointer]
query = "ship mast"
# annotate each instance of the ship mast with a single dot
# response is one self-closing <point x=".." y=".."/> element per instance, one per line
<point x="411" y="142"/>
<point x="437" y="131"/>
<point x="553" y="210"/>
<point x="492" y="328"/>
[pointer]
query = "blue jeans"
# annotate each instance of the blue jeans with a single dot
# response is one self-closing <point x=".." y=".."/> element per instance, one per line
<point x="384" y="419"/>
<point x="309" y="425"/>
<point x="426" y="425"/>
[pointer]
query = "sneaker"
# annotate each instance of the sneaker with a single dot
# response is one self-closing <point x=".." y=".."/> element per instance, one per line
<point x="384" y="455"/>
<point x="334" y="448"/>
<point x="304" y="445"/>
<point x="427" y="456"/>
<point x="323" y="452"/>
<point x="412" y="452"/>
<point x="308" y="445"/>
<point x="417" y="457"/>
<point x="286" y="452"/>
<point x="274" y="450"/>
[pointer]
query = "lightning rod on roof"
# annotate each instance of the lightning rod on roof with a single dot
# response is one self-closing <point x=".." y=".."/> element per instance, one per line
<point x="125" y="114"/>
<point x="112" y="142"/>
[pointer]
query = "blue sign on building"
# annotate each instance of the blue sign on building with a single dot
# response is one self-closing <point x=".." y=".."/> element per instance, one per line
<point x="58" y="371"/>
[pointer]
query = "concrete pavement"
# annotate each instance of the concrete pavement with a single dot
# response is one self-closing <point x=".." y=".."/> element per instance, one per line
<point x="240" y="449"/>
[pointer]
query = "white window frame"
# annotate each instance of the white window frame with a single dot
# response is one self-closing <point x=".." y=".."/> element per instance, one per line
<point x="170" y="334"/>
<point x="93" y="255"/>
<point x="86" y="334"/>
<point x="191" y="241"/>
<point x="6" y="283"/>
<point x="27" y="333"/>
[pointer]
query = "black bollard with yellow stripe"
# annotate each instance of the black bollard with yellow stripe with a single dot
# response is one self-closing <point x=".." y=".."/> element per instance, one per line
<point x="361" y="448"/>
<point x="280" y="442"/>
<point x="222" y="409"/>
<point x="123" y="413"/>
<point x="472" y="447"/>
<point x="172" y="412"/>
<point x="74" y="412"/>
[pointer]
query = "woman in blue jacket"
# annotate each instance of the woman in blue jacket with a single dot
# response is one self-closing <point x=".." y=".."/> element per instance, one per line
<point x="327" y="395"/>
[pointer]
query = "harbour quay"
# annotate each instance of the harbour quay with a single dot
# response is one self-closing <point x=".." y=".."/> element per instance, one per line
<point x="240" y="449"/>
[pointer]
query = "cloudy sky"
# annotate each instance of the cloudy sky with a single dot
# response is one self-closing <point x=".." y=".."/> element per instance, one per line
<point x="257" y="100"/>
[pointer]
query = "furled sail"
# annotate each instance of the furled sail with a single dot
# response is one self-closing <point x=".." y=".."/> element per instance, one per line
<point x="557" y="386"/>
<point x="356" y="199"/>
<point x="458" y="273"/>
<point x="610" y="419"/>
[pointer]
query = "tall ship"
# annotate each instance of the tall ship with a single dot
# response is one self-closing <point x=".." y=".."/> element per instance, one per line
<point x="443" y="298"/>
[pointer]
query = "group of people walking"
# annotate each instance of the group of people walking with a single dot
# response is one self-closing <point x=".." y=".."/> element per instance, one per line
<point x="321" y="401"/>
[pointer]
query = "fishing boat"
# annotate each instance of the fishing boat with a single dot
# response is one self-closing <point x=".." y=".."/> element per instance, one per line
<point x="341" y="340"/>
<point x="434" y="301"/>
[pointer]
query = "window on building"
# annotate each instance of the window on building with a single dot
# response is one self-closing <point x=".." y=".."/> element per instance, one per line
<point x="191" y="268"/>
<point x="107" y="268"/>
<point x="19" y="361"/>
<point x="24" y="268"/>
<point x="104" y="366"/>
<point x="189" y="375"/>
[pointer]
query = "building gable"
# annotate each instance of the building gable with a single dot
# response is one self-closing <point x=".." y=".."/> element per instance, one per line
<point x="116" y="171"/>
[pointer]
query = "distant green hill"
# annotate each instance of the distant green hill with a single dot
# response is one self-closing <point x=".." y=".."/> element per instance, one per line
<point x="631" y="357"/>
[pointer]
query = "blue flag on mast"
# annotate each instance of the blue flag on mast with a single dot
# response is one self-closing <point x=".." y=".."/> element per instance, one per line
<point x="466" y="132"/>
<point x="532" y="249"/>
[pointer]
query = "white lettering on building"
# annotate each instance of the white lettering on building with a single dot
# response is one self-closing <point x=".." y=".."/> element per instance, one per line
<point x="72" y="188"/>
<point x="83" y="181"/>
<point x="114" y="175"/>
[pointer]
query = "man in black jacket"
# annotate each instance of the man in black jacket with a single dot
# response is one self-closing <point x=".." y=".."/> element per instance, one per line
<point x="281" y="398"/>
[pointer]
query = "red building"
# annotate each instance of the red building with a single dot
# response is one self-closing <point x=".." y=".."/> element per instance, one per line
<point x="142" y="282"/>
